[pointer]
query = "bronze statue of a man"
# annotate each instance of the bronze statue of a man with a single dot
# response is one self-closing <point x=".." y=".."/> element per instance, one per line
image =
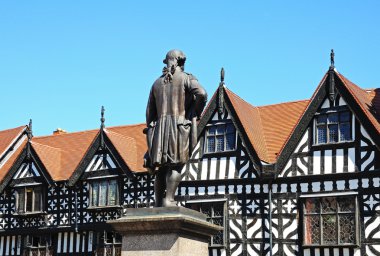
<point x="175" y="102"/>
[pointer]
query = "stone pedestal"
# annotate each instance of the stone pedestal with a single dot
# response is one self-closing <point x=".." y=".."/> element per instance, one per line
<point x="164" y="231"/>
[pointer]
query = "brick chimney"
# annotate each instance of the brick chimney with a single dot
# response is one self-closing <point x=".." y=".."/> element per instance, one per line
<point x="59" y="131"/>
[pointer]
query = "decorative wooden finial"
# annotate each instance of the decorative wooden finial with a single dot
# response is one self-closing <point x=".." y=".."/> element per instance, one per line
<point x="102" y="119"/>
<point x="30" y="129"/>
<point x="332" y="58"/>
<point x="221" y="93"/>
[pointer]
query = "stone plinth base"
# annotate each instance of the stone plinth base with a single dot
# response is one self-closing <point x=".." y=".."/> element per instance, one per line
<point x="164" y="231"/>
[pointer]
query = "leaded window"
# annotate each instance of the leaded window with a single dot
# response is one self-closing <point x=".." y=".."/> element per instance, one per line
<point x="29" y="199"/>
<point x="104" y="193"/>
<point x="215" y="212"/>
<point x="333" y="127"/>
<point x="220" y="137"/>
<point x="38" y="245"/>
<point x="108" y="244"/>
<point x="330" y="221"/>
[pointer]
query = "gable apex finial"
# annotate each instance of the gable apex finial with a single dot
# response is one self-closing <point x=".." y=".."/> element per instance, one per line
<point x="222" y="76"/>
<point x="102" y="119"/>
<point x="30" y="129"/>
<point x="332" y="59"/>
<point x="220" y="93"/>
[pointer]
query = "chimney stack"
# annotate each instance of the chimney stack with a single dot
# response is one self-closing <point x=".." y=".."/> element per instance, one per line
<point x="59" y="131"/>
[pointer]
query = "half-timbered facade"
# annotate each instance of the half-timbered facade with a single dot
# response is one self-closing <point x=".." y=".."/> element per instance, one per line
<point x="296" y="178"/>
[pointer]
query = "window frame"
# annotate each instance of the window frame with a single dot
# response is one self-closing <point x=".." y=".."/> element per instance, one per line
<point x="211" y="203"/>
<point x="103" y="247"/>
<point x="337" y="215"/>
<point x="339" y="112"/>
<point x="99" y="191"/>
<point x="225" y="133"/>
<point x="25" y="189"/>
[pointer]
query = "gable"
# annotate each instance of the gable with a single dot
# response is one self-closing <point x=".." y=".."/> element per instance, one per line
<point x="27" y="170"/>
<point x="101" y="161"/>
<point x="230" y="164"/>
<point x="312" y="156"/>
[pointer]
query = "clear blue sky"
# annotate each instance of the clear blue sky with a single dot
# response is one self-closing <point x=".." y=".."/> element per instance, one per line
<point x="61" y="60"/>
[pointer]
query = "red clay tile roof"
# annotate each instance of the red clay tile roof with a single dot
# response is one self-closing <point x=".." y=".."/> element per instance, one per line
<point x="368" y="100"/>
<point x="276" y="133"/>
<point x="261" y="125"/>
<point x="61" y="154"/>
<point x="8" y="136"/>
<point x="9" y="163"/>
<point x="130" y="142"/>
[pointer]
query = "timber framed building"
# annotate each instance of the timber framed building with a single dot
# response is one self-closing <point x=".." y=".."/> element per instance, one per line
<point x="296" y="178"/>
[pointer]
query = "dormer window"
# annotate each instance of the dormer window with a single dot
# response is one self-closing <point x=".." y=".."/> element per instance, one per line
<point x="333" y="127"/>
<point x="220" y="137"/>
<point x="29" y="199"/>
<point x="104" y="193"/>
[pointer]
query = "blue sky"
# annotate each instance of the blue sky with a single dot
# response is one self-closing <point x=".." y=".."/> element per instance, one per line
<point x="60" y="61"/>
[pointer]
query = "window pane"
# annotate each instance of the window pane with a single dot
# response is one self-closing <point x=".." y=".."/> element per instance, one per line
<point x="95" y="193"/>
<point x="230" y="128"/>
<point x="212" y="130"/>
<point x="322" y="134"/>
<point x="312" y="205"/>
<point x="118" y="238"/>
<point x="333" y="118"/>
<point x="220" y="143"/>
<point x="328" y="205"/>
<point x="321" y="119"/>
<point x="112" y="194"/>
<point x="347" y="228"/>
<point x="345" y="132"/>
<point x="346" y="204"/>
<point x="29" y="199"/>
<point x="103" y="193"/>
<point x="210" y="144"/>
<point x="21" y="200"/>
<point x="333" y="133"/>
<point x="345" y="117"/>
<point x="109" y="238"/>
<point x="329" y="229"/>
<point x="312" y="229"/>
<point x="230" y="141"/>
<point x="220" y="129"/>
<point x="37" y="199"/>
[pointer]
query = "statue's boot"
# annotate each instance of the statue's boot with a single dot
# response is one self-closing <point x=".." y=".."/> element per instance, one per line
<point x="173" y="178"/>
<point x="159" y="188"/>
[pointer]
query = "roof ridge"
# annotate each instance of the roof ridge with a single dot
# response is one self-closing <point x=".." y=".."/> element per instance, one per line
<point x="280" y="103"/>
<point x="14" y="128"/>
<point x="125" y="125"/>
<point x="119" y="134"/>
<point x="65" y="134"/>
<point x="240" y="97"/>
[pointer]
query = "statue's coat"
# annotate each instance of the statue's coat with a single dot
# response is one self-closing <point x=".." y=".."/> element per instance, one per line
<point x="172" y="106"/>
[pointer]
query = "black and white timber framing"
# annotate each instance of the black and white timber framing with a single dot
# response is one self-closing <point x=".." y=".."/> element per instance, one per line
<point x="262" y="203"/>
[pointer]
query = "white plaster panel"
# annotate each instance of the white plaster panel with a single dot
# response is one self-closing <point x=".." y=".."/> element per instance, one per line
<point x="339" y="160"/>
<point x="351" y="160"/>
<point x="316" y="162"/>
<point x="328" y="161"/>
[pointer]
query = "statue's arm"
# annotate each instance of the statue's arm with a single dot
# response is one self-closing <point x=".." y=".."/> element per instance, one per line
<point x="151" y="111"/>
<point x="199" y="95"/>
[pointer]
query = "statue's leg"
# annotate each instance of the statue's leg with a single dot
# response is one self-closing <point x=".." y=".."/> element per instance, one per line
<point x="159" y="187"/>
<point x="173" y="178"/>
